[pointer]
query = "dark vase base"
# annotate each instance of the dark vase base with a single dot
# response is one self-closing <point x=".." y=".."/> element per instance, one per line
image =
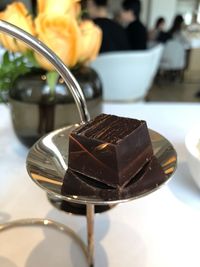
<point x="76" y="209"/>
<point x="27" y="141"/>
<point x="36" y="111"/>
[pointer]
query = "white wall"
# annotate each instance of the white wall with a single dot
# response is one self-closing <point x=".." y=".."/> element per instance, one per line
<point x="184" y="6"/>
<point x="145" y="11"/>
<point x="164" y="8"/>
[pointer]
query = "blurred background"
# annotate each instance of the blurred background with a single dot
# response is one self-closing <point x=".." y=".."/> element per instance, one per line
<point x="165" y="89"/>
<point x="186" y="89"/>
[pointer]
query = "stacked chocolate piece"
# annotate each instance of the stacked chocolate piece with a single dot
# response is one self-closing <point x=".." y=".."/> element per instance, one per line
<point x="111" y="153"/>
<point x="110" y="149"/>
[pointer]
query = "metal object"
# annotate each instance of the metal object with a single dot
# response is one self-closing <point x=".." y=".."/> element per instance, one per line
<point x="47" y="160"/>
<point x="45" y="223"/>
<point x="47" y="164"/>
<point x="90" y="231"/>
<point x="76" y="209"/>
<point x="77" y="94"/>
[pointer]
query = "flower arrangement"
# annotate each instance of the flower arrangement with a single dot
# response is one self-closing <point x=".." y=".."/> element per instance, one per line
<point x="60" y="27"/>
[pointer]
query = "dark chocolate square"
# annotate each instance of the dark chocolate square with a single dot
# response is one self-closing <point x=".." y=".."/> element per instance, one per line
<point x="149" y="178"/>
<point x="110" y="149"/>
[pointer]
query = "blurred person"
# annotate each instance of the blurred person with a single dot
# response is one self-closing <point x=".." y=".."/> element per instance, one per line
<point x="176" y="33"/>
<point x="114" y="36"/>
<point x="158" y="29"/>
<point x="181" y="57"/>
<point x="136" y="31"/>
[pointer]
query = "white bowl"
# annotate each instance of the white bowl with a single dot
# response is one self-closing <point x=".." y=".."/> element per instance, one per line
<point x="192" y="142"/>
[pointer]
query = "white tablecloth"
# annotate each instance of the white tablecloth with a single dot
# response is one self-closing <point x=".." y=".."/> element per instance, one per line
<point x="160" y="230"/>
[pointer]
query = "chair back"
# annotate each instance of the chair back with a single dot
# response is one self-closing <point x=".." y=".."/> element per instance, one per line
<point x="174" y="56"/>
<point x="157" y="56"/>
<point x="126" y="76"/>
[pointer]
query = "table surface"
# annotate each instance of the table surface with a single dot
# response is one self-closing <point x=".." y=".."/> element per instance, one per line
<point x="161" y="229"/>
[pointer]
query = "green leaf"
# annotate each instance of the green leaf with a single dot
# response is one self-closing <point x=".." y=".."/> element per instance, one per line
<point x="12" y="66"/>
<point x="52" y="79"/>
<point x="31" y="58"/>
<point x="6" y="58"/>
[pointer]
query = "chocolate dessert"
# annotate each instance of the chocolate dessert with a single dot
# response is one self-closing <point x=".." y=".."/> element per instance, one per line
<point x="147" y="179"/>
<point x="110" y="149"/>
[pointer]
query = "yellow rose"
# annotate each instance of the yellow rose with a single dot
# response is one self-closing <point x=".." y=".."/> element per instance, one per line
<point x="91" y="38"/>
<point x="75" y="10"/>
<point x="16" y="14"/>
<point x="61" y="34"/>
<point x="63" y="7"/>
